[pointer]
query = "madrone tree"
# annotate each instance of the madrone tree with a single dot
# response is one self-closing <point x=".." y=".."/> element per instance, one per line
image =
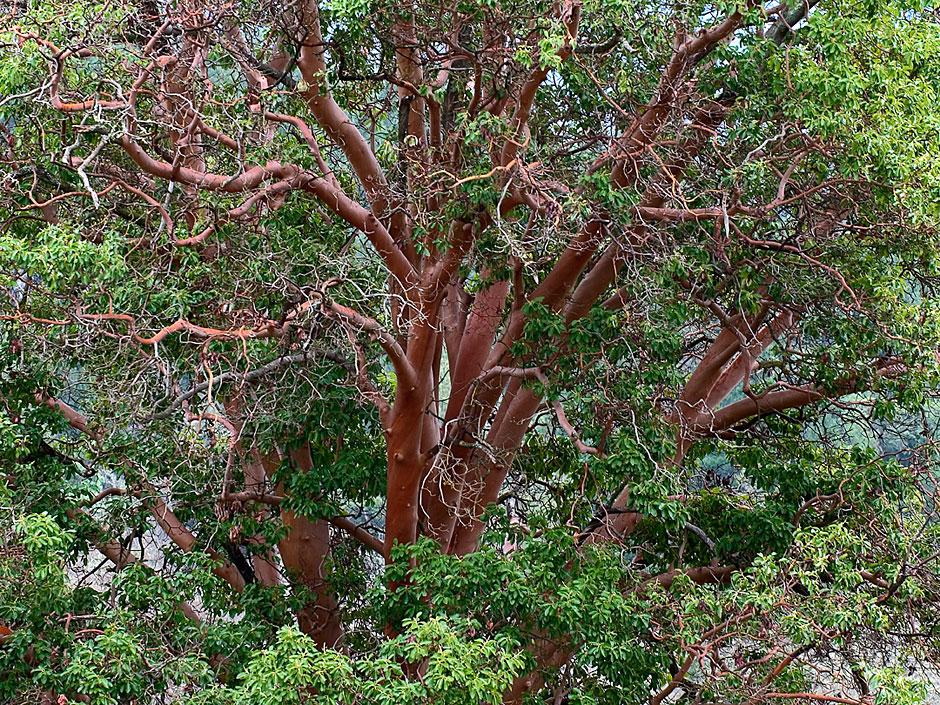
<point x="462" y="351"/>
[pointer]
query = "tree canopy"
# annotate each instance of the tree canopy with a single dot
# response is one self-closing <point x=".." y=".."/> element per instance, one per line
<point x="469" y="351"/>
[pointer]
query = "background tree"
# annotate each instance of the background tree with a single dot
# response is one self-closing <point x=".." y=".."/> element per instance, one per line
<point x="469" y="351"/>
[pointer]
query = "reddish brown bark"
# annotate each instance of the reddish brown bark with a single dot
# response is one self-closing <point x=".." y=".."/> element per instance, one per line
<point x="304" y="553"/>
<point x="446" y="467"/>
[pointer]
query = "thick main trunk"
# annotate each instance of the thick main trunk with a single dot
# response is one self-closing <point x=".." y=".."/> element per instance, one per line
<point x="504" y="440"/>
<point x="467" y="406"/>
<point x="405" y="437"/>
<point x="404" y="475"/>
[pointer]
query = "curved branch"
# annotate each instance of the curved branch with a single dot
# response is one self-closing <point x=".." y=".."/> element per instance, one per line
<point x="330" y="116"/>
<point x="75" y="419"/>
<point x="244" y="181"/>
<point x="403" y="367"/>
<point x="359" y="533"/>
<point x="768" y="402"/>
<point x="570" y="18"/>
<point x="186" y="541"/>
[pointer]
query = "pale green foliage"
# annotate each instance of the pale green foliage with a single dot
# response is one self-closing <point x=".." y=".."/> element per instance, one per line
<point x="455" y="669"/>
<point x="46" y="546"/>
